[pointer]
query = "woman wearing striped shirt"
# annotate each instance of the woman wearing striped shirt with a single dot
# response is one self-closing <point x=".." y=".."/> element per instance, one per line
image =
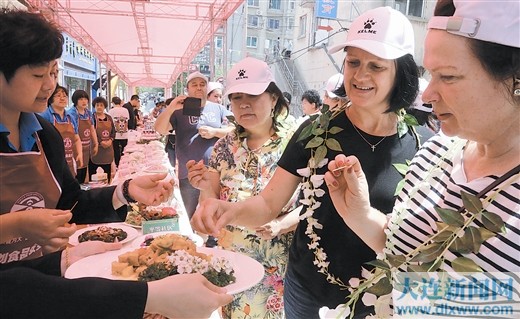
<point x="475" y="92"/>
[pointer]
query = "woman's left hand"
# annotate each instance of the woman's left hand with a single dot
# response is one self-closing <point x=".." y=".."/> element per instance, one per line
<point x="151" y="189"/>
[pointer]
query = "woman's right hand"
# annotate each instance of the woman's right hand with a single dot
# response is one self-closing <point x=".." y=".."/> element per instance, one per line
<point x="47" y="227"/>
<point x="185" y="296"/>
<point x="196" y="175"/>
<point x="212" y="215"/>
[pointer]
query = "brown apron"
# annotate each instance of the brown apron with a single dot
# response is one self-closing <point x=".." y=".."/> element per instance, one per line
<point x="104" y="155"/>
<point x="27" y="183"/>
<point x="84" y="136"/>
<point x="67" y="133"/>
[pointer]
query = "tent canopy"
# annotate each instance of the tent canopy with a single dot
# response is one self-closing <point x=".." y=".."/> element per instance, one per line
<point x="144" y="42"/>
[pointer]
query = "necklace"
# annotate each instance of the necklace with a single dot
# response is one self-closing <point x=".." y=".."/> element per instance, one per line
<point x="373" y="146"/>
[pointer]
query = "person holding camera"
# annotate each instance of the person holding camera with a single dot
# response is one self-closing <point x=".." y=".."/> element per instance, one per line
<point x="198" y="124"/>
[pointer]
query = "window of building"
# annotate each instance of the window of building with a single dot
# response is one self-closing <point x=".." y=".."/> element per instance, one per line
<point x="275" y="4"/>
<point x="273" y="24"/>
<point x="252" y="42"/>
<point x="290" y="23"/>
<point x="219" y="40"/>
<point x="252" y="21"/>
<point x="410" y="7"/>
<point x="292" y="5"/>
<point x="253" y="3"/>
<point x="303" y="26"/>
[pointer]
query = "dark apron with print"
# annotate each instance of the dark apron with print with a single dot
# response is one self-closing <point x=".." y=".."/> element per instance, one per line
<point x="27" y="183"/>
<point x="104" y="155"/>
<point x="67" y="133"/>
<point x="84" y="136"/>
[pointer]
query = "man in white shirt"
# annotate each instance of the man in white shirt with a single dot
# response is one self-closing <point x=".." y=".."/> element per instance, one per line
<point x="121" y="117"/>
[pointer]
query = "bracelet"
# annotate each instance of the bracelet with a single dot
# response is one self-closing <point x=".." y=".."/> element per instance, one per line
<point x="126" y="194"/>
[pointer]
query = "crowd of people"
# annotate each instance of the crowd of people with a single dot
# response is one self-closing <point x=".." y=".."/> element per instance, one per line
<point x="312" y="199"/>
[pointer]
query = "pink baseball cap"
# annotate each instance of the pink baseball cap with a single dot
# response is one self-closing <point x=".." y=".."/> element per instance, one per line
<point x="250" y="76"/>
<point x="491" y="21"/>
<point x="383" y="32"/>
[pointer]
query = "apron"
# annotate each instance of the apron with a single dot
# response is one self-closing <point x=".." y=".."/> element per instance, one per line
<point x="104" y="155"/>
<point x="84" y="136"/>
<point x="27" y="183"/>
<point x="67" y="133"/>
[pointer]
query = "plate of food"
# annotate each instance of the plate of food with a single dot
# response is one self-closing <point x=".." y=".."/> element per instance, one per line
<point x="140" y="212"/>
<point x="107" y="233"/>
<point x="236" y="272"/>
<point x="146" y="240"/>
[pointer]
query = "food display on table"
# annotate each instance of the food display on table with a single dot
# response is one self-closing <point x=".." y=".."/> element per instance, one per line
<point x="103" y="233"/>
<point x="140" y="212"/>
<point x="171" y="254"/>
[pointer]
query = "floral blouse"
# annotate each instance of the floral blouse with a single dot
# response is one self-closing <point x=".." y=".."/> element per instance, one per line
<point x="244" y="173"/>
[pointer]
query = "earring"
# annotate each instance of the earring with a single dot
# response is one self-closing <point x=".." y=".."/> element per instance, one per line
<point x="272" y="113"/>
<point x="516" y="84"/>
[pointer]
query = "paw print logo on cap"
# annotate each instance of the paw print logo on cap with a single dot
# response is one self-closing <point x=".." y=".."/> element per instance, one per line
<point x="241" y="74"/>
<point x="369" y="24"/>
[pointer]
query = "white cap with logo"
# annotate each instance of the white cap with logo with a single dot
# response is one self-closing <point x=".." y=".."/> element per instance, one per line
<point x="383" y="32"/>
<point x="250" y="76"/>
<point x="333" y="83"/>
<point x="492" y="21"/>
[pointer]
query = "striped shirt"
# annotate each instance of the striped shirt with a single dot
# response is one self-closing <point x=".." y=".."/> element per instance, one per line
<point x="436" y="178"/>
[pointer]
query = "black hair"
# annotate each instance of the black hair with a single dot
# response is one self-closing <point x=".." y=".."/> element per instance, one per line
<point x="99" y="99"/>
<point x="281" y="107"/>
<point x="58" y="88"/>
<point x="406" y="84"/>
<point x="116" y="100"/>
<point x="500" y="61"/>
<point x="26" y="39"/>
<point x="312" y="96"/>
<point x="78" y="94"/>
<point x="134" y="97"/>
<point x="169" y="100"/>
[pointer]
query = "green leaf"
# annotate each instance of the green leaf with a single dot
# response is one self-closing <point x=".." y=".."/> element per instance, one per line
<point x="450" y="216"/>
<point x="410" y="120"/>
<point x="471" y="202"/>
<point x="399" y="187"/>
<point x="306" y="132"/>
<point x="401" y="168"/>
<point x="486" y="234"/>
<point x="380" y="288"/>
<point x="461" y="245"/>
<point x="493" y="222"/>
<point x="314" y="142"/>
<point x="335" y="130"/>
<point x="379" y="264"/>
<point x="318" y="131"/>
<point x="395" y="260"/>
<point x="429" y="254"/>
<point x="473" y="236"/>
<point x="333" y="144"/>
<point x="443" y="236"/>
<point x="320" y="153"/>
<point x="463" y="264"/>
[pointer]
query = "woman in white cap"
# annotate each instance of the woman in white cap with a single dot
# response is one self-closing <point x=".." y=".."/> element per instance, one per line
<point x="240" y="166"/>
<point x="329" y="97"/>
<point x="380" y="78"/>
<point x="463" y="184"/>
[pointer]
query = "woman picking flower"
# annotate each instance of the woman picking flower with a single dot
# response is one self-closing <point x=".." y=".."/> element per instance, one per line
<point x="380" y="78"/>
